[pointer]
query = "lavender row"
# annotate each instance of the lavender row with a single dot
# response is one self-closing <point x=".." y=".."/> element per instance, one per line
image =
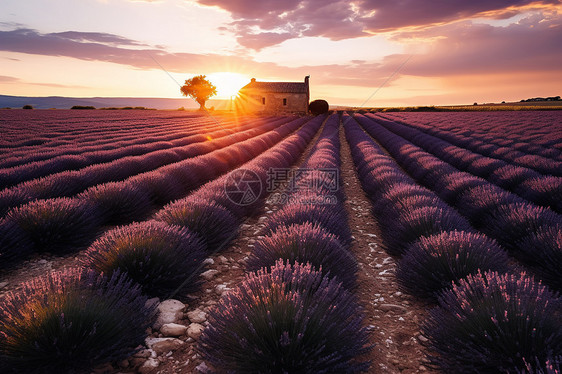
<point x="537" y="133"/>
<point x="543" y="164"/>
<point x="295" y="317"/>
<point x="487" y="319"/>
<point x="70" y="160"/>
<point x="531" y="233"/>
<point x="47" y="126"/>
<point x="409" y="214"/>
<point x="69" y="183"/>
<point x="63" y="224"/>
<point x="44" y="142"/>
<point x="85" y="325"/>
<point x="527" y="183"/>
<point x="211" y="217"/>
<point x="152" y="256"/>
<point x="108" y="141"/>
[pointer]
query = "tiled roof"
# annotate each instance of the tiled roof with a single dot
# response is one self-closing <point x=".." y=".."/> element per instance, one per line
<point x="277" y="87"/>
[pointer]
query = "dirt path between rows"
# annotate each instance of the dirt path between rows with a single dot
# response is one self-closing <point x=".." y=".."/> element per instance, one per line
<point x="392" y="316"/>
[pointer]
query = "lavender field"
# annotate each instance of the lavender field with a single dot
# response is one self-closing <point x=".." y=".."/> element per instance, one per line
<point x="176" y="253"/>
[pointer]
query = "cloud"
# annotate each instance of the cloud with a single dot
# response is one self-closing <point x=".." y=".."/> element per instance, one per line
<point x="532" y="44"/>
<point x="526" y="47"/>
<point x="7" y="79"/>
<point x="96" y="37"/>
<point x="342" y="19"/>
<point x="369" y="74"/>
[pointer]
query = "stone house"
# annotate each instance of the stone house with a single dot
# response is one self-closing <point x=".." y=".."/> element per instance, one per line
<point x="274" y="97"/>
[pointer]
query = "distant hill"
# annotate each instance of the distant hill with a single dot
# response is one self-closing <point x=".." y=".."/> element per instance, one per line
<point x="60" y="102"/>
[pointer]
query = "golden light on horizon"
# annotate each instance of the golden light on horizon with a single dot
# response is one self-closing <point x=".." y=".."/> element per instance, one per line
<point x="228" y="84"/>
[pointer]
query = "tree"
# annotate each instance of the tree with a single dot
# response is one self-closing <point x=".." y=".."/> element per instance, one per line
<point x="318" y="107"/>
<point x="199" y="88"/>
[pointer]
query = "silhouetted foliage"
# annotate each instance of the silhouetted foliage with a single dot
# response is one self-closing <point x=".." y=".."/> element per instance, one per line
<point x="494" y="323"/>
<point x="83" y="107"/>
<point x="317" y="107"/>
<point x="27" y="107"/>
<point x="14" y="243"/>
<point x="291" y="319"/>
<point x="199" y="88"/>
<point x="71" y="321"/>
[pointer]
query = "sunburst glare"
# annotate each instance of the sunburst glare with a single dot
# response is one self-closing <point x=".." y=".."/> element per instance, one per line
<point x="228" y="84"/>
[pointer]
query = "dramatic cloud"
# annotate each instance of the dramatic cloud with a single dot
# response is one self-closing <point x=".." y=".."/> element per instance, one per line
<point x="32" y="42"/>
<point x="342" y="19"/>
<point x="533" y="44"/>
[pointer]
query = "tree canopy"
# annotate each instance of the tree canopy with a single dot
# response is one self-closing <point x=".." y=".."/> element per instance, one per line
<point x="199" y="88"/>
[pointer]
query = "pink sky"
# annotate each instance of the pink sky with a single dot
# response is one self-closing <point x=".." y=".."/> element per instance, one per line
<point x="457" y="52"/>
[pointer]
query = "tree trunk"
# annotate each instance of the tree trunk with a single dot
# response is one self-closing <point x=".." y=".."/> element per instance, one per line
<point x="201" y="104"/>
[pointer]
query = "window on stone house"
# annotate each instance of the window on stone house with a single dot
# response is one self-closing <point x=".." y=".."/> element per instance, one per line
<point x="285" y="102"/>
<point x="263" y="101"/>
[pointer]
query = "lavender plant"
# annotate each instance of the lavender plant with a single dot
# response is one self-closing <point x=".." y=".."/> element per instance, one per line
<point x="56" y="225"/>
<point x="287" y="320"/>
<point x="157" y="256"/>
<point x="211" y="221"/>
<point x="71" y="321"/>
<point x="494" y="323"/>
<point x="305" y="243"/>
<point x="434" y="263"/>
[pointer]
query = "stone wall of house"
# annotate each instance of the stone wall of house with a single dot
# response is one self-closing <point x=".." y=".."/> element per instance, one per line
<point x="276" y="102"/>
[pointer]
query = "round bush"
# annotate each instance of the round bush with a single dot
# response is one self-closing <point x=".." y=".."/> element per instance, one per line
<point x="291" y="319"/>
<point x="57" y="225"/>
<point x="157" y="256"/>
<point x="455" y="184"/>
<point x="479" y="202"/>
<point x="543" y="249"/>
<point x="71" y="321"/>
<point x="217" y="194"/>
<point x="393" y="209"/>
<point x="119" y="202"/>
<point x="14" y="197"/>
<point x="510" y="176"/>
<point x="417" y="223"/>
<point x="305" y="243"/>
<point x="545" y="191"/>
<point x="161" y="187"/>
<point x="434" y="263"/>
<point x="14" y="243"/>
<point x="494" y="323"/>
<point x="332" y="218"/>
<point x="510" y="223"/>
<point x="212" y="222"/>
<point x="318" y="107"/>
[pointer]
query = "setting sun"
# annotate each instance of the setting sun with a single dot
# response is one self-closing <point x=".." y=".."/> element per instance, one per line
<point x="228" y="84"/>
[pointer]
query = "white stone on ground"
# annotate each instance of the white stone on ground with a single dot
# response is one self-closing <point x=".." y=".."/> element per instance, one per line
<point x="171" y="311"/>
<point x="195" y="330"/>
<point x="173" y="329"/>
